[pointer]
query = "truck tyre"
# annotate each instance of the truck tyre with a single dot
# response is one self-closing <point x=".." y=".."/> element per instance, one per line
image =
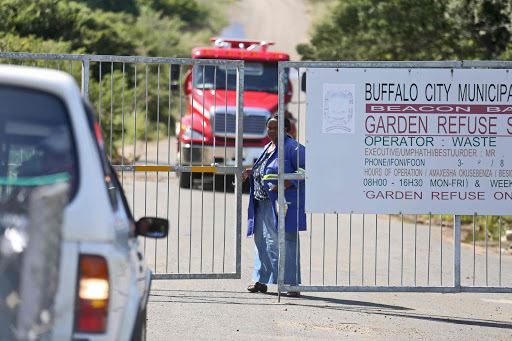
<point x="185" y="180"/>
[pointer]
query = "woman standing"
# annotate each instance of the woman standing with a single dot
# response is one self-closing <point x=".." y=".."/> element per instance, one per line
<point x="262" y="213"/>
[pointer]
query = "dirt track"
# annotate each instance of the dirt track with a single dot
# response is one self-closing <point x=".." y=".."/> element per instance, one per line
<point x="284" y="22"/>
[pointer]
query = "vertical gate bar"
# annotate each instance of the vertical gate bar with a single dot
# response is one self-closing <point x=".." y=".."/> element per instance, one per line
<point x="215" y="164"/>
<point x="323" y="258"/>
<point x="122" y="130"/>
<point x="215" y="106"/>
<point x="101" y="91"/>
<point x="389" y="244"/>
<point x="47" y="63"/>
<point x="402" y="254"/>
<point x="239" y="163"/>
<point x="376" y="225"/>
<point x="456" y="252"/>
<point x="157" y="147"/>
<point x="190" y="175"/>
<point x="34" y="63"/>
<point x="85" y="76"/>
<point x="337" y="239"/>
<point x="280" y="183"/>
<point x="474" y="248"/>
<point x="146" y="142"/>
<point x="486" y="254"/>
<point x="134" y="133"/>
<point x="310" y="245"/>
<point x="71" y="72"/>
<point x="441" y="245"/>
<point x="58" y="65"/>
<point x="111" y="106"/>
<point x="202" y="183"/>
<point x="499" y="276"/>
<point x="429" y="238"/>
<point x="168" y="164"/>
<point x="415" y="246"/>
<point x="225" y="214"/>
<point x="225" y="163"/>
<point x="349" y="247"/>
<point x="179" y="174"/>
<point x="298" y="194"/>
<point x="362" y="256"/>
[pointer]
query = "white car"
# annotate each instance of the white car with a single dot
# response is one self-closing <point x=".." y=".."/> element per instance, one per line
<point x="48" y="133"/>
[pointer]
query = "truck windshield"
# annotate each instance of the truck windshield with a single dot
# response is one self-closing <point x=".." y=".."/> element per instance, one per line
<point x="258" y="76"/>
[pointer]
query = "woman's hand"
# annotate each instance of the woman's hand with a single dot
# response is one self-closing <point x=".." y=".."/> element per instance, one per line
<point x="286" y="185"/>
<point x="246" y="173"/>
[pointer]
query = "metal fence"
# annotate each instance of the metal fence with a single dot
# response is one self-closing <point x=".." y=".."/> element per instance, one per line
<point x="388" y="253"/>
<point x="138" y="101"/>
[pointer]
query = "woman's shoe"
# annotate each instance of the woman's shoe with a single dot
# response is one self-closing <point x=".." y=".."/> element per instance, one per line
<point x="257" y="287"/>
<point x="293" y="294"/>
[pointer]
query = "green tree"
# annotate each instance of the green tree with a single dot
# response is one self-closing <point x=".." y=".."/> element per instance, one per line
<point x="13" y="42"/>
<point x="190" y="11"/>
<point x="382" y="30"/>
<point x="96" y="31"/>
<point x="482" y="26"/>
<point x="128" y="6"/>
<point x="412" y="30"/>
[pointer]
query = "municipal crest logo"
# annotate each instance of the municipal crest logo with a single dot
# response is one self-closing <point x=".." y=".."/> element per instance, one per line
<point x="338" y="108"/>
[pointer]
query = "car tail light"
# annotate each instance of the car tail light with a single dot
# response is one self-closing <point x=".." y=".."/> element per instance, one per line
<point x="92" y="295"/>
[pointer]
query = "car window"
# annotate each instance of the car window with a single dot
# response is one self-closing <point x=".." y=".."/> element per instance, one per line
<point x="117" y="186"/>
<point x="36" y="142"/>
<point x="95" y="130"/>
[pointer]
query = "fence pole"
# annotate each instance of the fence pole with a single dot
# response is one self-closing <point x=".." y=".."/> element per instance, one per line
<point x="85" y="77"/>
<point x="281" y="197"/>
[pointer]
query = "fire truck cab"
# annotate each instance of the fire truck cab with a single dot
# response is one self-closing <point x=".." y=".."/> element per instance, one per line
<point x="206" y="135"/>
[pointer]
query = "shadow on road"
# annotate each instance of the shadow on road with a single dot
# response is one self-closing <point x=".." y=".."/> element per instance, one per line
<point x="307" y="301"/>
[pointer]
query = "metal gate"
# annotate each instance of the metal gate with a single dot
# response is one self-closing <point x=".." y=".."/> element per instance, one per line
<point x="137" y="100"/>
<point x="388" y="253"/>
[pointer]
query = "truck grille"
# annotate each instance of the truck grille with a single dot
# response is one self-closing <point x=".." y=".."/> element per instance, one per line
<point x="253" y="125"/>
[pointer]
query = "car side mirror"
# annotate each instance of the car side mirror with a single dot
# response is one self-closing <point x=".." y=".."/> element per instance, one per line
<point x="303" y="82"/>
<point x="152" y="227"/>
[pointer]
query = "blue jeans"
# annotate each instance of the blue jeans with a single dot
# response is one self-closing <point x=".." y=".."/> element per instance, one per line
<point x="266" y="250"/>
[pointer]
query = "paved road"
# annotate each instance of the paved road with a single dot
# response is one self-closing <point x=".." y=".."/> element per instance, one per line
<point x="202" y="240"/>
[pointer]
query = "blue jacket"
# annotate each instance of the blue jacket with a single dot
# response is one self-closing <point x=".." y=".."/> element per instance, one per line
<point x="292" y="164"/>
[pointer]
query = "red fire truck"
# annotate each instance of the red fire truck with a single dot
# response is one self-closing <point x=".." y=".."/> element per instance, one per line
<point x="211" y="117"/>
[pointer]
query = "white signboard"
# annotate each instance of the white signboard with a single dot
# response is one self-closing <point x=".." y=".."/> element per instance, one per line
<point x="409" y="140"/>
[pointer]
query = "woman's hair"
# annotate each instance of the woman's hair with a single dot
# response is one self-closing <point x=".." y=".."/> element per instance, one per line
<point x="287" y="123"/>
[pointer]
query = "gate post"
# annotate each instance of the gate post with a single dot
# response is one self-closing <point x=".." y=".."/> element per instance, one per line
<point x="456" y="252"/>
<point x="85" y="76"/>
<point x="280" y="183"/>
<point x="240" y="74"/>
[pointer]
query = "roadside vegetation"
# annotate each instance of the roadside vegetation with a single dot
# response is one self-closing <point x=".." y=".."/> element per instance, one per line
<point x="409" y="30"/>
<point x="399" y="30"/>
<point x="154" y="28"/>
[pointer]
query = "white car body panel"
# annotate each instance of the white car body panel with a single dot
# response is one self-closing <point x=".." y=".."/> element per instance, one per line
<point x="90" y="226"/>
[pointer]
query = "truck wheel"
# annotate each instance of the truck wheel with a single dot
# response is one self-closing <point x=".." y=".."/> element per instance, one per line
<point x="185" y="180"/>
